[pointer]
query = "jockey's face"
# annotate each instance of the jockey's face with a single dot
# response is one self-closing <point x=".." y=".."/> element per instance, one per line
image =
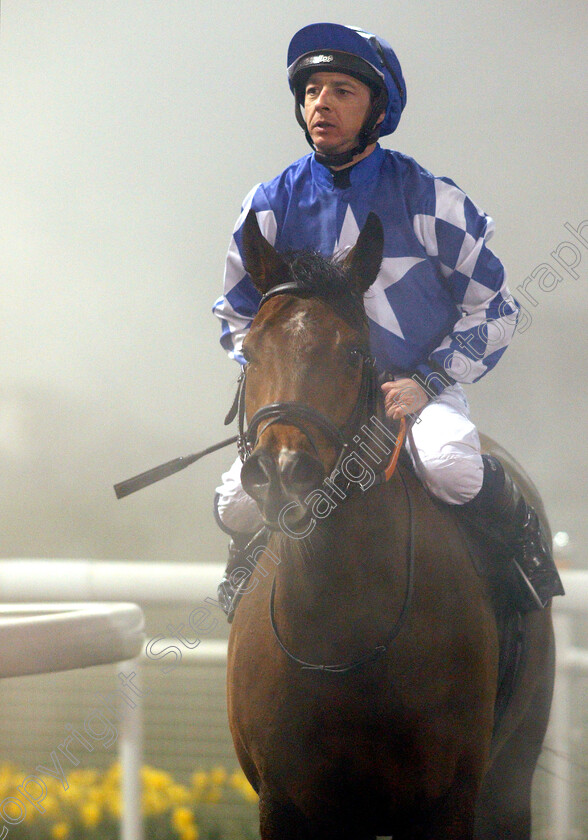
<point x="335" y="108"/>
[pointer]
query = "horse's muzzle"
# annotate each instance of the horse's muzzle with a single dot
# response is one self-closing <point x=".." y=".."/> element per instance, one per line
<point x="277" y="482"/>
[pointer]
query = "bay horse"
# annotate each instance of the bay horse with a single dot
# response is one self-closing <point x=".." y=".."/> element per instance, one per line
<point x="363" y="662"/>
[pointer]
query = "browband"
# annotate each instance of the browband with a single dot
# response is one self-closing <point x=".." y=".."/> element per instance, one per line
<point x="292" y="287"/>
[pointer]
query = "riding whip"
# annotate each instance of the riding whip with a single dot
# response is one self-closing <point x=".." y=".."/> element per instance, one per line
<point x="144" y="479"/>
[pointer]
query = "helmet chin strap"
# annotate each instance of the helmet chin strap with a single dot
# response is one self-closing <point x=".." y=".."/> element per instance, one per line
<point x="368" y="134"/>
<point x="340" y="159"/>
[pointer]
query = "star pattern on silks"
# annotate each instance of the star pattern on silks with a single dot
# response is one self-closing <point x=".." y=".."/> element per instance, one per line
<point x="440" y="298"/>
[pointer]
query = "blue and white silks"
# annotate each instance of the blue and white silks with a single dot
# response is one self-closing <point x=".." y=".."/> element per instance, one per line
<point x="440" y="302"/>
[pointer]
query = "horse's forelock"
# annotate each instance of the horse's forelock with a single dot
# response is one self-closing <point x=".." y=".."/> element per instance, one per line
<point x="326" y="278"/>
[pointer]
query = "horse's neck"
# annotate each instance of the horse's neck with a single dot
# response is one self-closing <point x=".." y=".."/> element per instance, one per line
<point x="355" y="555"/>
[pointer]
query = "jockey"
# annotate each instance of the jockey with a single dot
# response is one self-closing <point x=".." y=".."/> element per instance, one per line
<point x="440" y="312"/>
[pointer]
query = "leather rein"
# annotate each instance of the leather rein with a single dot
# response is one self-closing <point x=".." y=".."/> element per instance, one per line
<point x="341" y="437"/>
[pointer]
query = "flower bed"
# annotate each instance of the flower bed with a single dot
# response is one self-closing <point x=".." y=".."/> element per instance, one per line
<point x="89" y="808"/>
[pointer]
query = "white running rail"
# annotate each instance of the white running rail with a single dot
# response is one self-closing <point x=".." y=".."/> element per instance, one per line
<point x="42" y="638"/>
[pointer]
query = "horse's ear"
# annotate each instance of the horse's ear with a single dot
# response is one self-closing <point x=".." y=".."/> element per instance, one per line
<point x="365" y="258"/>
<point x="263" y="263"/>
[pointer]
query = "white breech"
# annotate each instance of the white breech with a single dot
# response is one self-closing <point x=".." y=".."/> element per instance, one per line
<point x="444" y="447"/>
<point x="236" y="509"/>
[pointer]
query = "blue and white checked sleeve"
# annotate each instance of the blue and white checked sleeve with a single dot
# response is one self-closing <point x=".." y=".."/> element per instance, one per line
<point x="239" y="302"/>
<point x="454" y="232"/>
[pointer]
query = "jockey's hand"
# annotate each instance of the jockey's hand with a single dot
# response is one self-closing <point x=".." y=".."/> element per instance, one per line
<point x="403" y="396"/>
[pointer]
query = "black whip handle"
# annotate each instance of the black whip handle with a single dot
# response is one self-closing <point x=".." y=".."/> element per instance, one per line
<point x="144" y="479"/>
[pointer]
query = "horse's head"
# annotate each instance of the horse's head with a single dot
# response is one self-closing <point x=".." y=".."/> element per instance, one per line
<point x="309" y="375"/>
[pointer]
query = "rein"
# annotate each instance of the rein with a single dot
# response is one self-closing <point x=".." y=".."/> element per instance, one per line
<point x="381" y="649"/>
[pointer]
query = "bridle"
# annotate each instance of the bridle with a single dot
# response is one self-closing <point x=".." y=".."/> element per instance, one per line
<point x="301" y="415"/>
<point x="341" y="437"/>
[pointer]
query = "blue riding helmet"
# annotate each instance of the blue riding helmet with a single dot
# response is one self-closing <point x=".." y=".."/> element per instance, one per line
<point x="322" y="47"/>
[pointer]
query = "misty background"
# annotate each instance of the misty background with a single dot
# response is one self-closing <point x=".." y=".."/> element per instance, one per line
<point x="130" y="132"/>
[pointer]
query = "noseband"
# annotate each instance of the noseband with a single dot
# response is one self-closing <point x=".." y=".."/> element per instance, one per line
<point x="298" y="414"/>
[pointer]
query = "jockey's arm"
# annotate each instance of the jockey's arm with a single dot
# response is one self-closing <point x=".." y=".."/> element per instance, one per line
<point x="238" y="304"/>
<point x="456" y="239"/>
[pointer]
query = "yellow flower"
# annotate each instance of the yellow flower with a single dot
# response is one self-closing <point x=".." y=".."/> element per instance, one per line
<point x="157" y="779"/>
<point x="73" y="794"/>
<point x="60" y="831"/>
<point x="113" y="774"/>
<point x="239" y="781"/>
<point x="98" y="795"/>
<point x="248" y="793"/>
<point x="199" y="784"/>
<point x="33" y="816"/>
<point x="189" y="833"/>
<point x="182" y="818"/>
<point x="114" y="803"/>
<point x="8" y="780"/>
<point x="218" y="776"/>
<point x="178" y="794"/>
<point x="83" y="776"/>
<point x="13" y="811"/>
<point x="199" y="779"/>
<point x="51" y="805"/>
<point x="236" y="779"/>
<point x="54" y="786"/>
<point x="154" y="802"/>
<point x="90" y="814"/>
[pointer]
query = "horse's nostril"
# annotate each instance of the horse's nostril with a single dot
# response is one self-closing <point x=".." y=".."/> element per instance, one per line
<point x="257" y="474"/>
<point x="271" y="483"/>
<point x="300" y="472"/>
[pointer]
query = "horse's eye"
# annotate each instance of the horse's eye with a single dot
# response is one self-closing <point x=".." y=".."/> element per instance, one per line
<point x="354" y="356"/>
